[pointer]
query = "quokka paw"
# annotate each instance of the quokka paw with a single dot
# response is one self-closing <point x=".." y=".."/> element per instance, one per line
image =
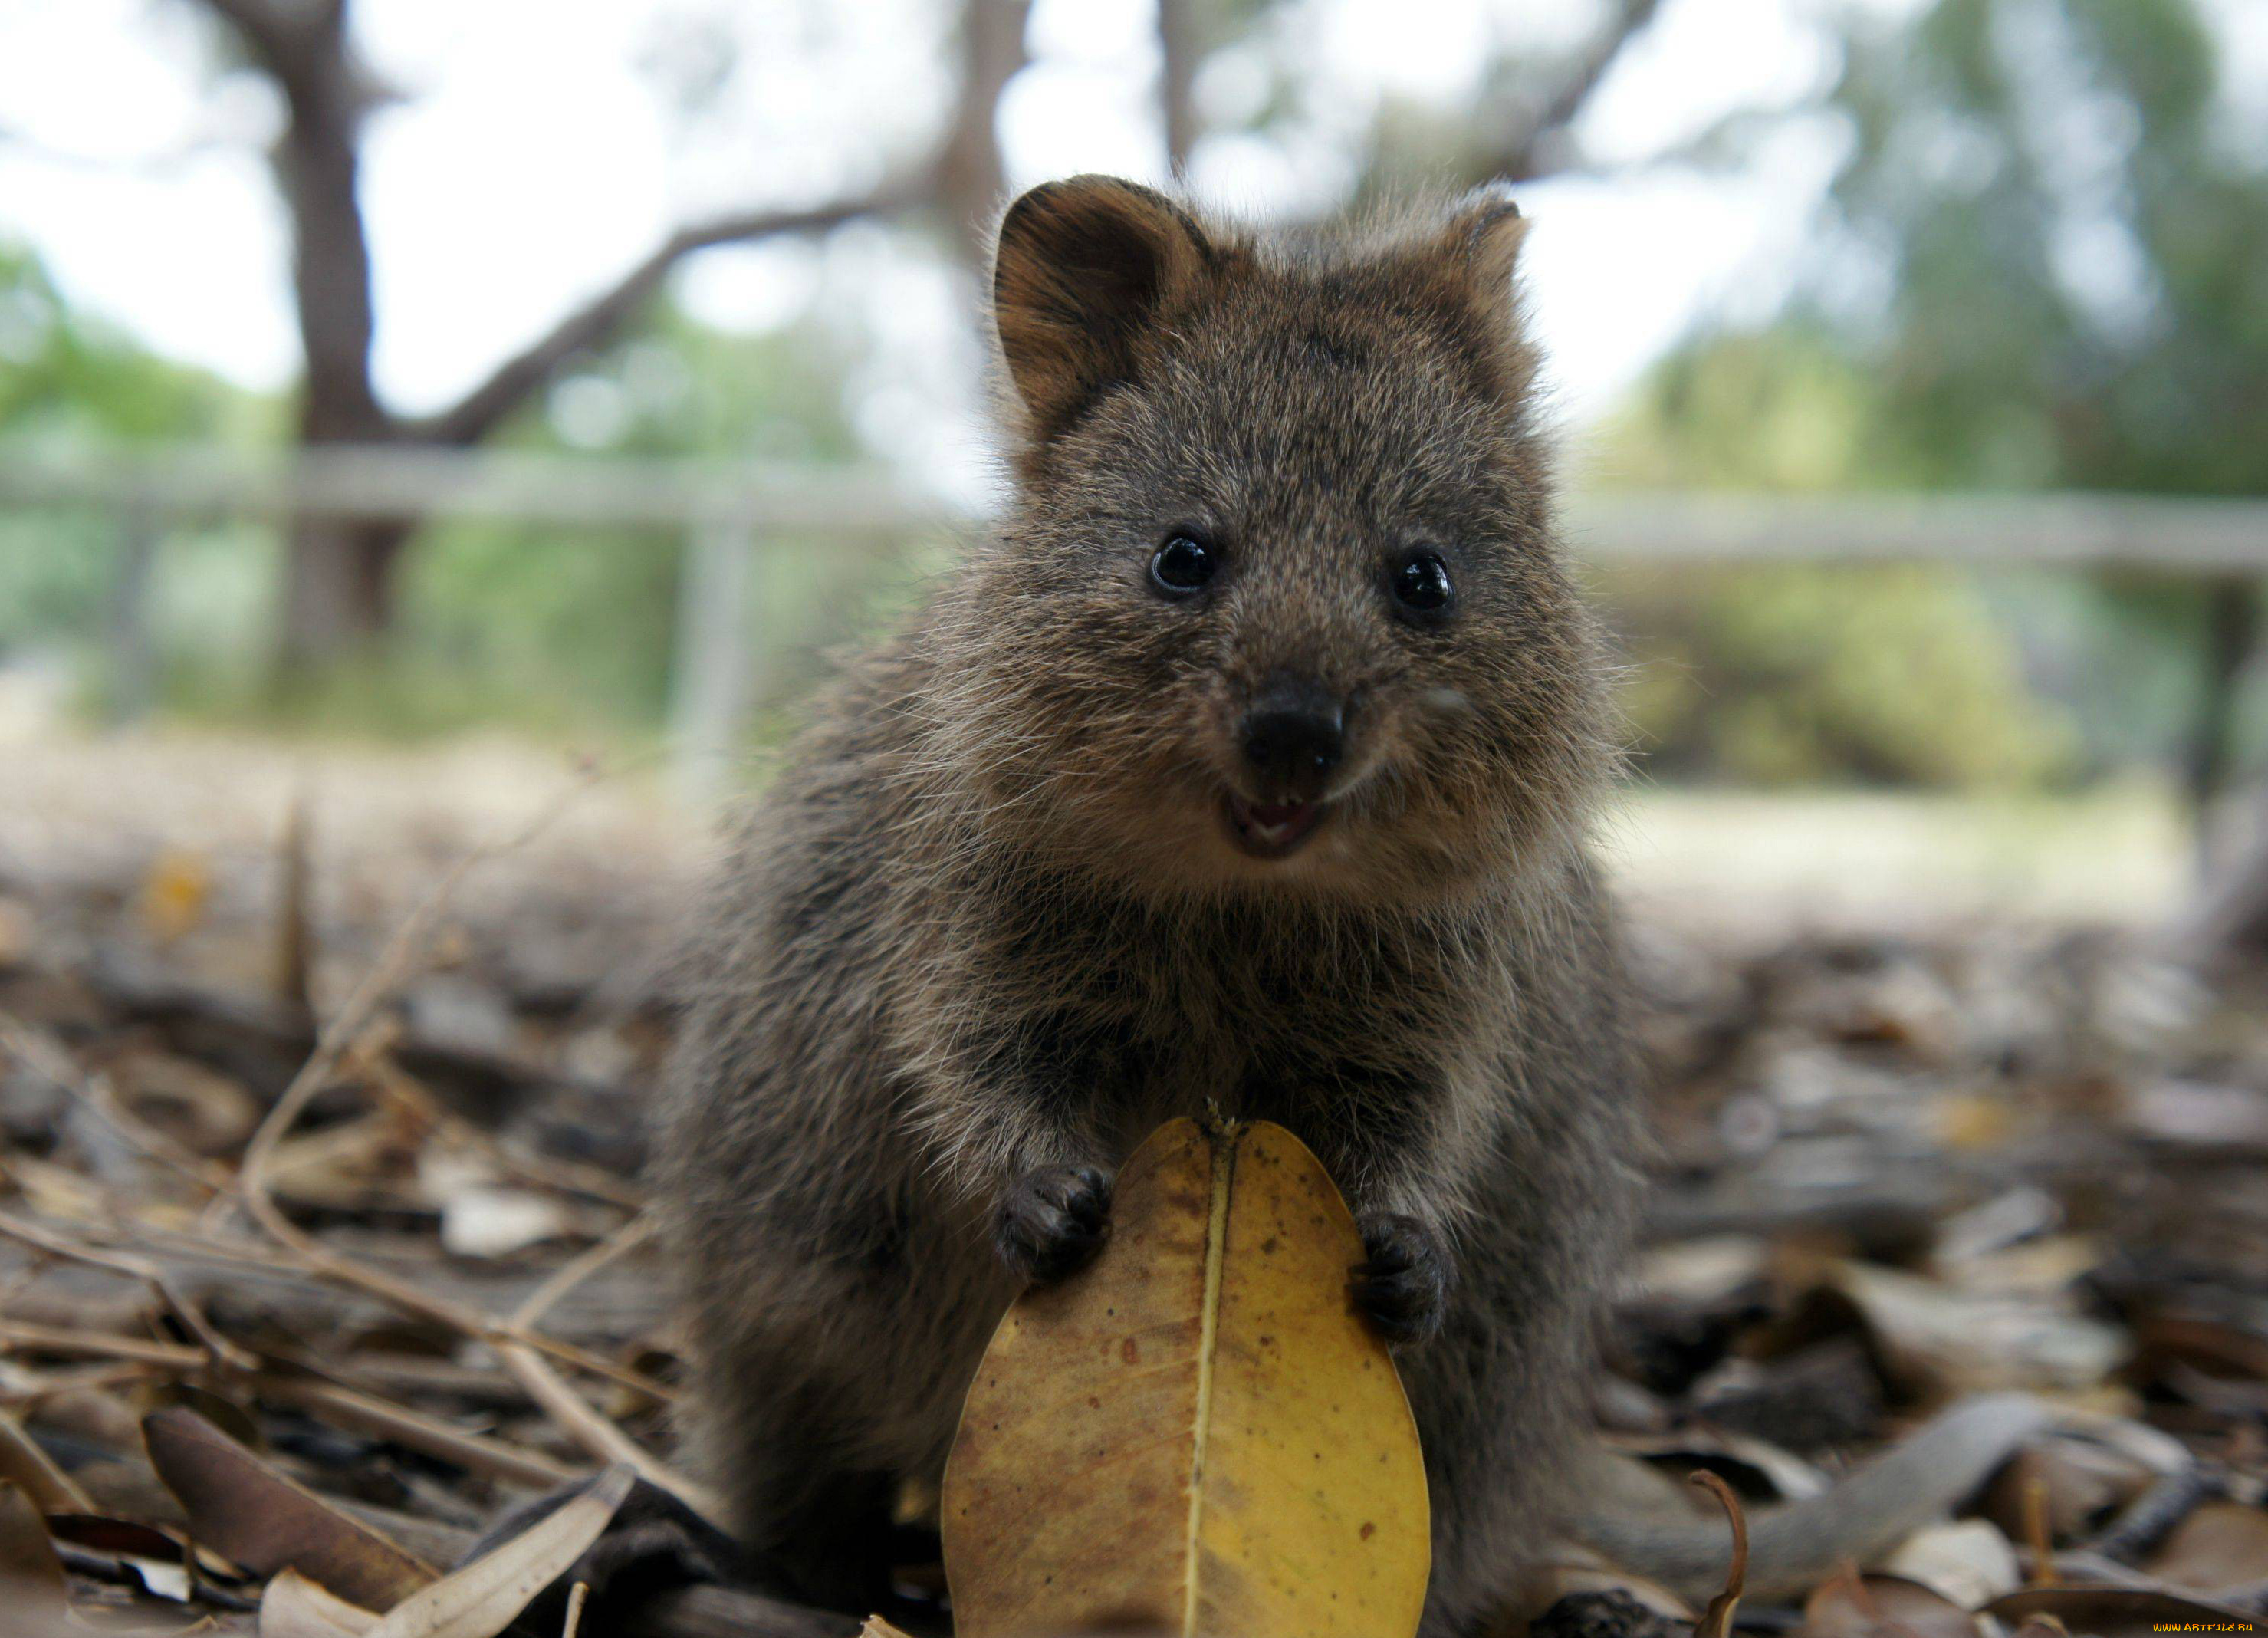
<point x="1052" y="1222"/>
<point x="1403" y="1285"/>
<point x="653" y="1543"/>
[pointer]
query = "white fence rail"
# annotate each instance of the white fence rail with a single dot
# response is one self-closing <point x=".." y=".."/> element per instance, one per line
<point x="730" y="512"/>
<point x="2067" y="530"/>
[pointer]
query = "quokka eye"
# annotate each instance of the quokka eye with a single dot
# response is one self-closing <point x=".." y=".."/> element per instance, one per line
<point x="1420" y="583"/>
<point x="1183" y="564"/>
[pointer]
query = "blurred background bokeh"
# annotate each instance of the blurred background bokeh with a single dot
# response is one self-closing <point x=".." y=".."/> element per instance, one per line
<point x="443" y="441"/>
<point x="417" y="390"/>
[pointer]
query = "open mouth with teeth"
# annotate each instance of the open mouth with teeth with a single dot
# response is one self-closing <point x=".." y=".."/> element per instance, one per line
<point x="1272" y="830"/>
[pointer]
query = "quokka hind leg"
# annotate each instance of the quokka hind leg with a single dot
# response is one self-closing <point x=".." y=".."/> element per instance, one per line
<point x="815" y="1525"/>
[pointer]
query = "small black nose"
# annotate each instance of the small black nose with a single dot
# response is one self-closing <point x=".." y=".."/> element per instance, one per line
<point x="1293" y="738"/>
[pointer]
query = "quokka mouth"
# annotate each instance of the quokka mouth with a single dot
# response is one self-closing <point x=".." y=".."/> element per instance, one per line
<point x="1272" y="829"/>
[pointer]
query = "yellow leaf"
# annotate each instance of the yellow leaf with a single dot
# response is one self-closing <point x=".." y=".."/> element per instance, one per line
<point x="175" y="891"/>
<point x="1976" y="1122"/>
<point x="1199" y="1434"/>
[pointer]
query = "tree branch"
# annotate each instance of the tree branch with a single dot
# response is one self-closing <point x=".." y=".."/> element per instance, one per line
<point x="262" y="25"/>
<point x="477" y="414"/>
<point x="1178" y="52"/>
<point x="970" y="179"/>
<point x="1521" y="155"/>
<point x="290" y="46"/>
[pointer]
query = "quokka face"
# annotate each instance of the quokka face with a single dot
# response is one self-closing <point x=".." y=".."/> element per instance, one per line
<point x="1278" y="608"/>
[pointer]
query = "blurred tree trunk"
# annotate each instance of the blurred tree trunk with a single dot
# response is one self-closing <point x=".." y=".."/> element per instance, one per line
<point x="1179" y="52"/>
<point x="1540" y="141"/>
<point x="338" y="595"/>
<point x="2230" y="915"/>
<point x="2232" y="632"/>
<point x="338" y="588"/>
<point x="340" y="577"/>
<point x="2228" y="919"/>
<point x="970" y="177"/>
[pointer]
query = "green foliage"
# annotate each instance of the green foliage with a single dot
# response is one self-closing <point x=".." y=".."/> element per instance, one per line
<point x="1786" y="409"/>
<point x="1795" y="674"/>
<point x="556" y="630"/>
<point x="1886" y="673"/>
<point x="2070" y="262"/>
<point x="66" y="383"/>
<point x="536" y="621"/>
<point x="66" y="379"/>
<point x="2079" y="252"/>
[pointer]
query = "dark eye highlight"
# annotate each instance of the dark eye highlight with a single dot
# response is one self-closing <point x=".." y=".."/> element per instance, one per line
<point x="1183" y="564"/>
<point x="1420" y="584"/>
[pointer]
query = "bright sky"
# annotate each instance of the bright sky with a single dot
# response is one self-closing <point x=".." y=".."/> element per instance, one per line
<point x="537" y="152"/>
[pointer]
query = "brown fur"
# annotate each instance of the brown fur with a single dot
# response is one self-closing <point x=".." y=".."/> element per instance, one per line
<point x="990" y="920"/>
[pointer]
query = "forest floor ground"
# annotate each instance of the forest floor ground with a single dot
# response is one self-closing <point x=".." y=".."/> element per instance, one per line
<point x="1938" y="1115"/>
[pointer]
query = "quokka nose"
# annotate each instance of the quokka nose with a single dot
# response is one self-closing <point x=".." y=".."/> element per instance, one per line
<point x="1293" y="739"/>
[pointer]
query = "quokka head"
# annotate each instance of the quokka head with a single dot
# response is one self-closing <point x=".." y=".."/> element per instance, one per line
<point x="1277" y="608"/>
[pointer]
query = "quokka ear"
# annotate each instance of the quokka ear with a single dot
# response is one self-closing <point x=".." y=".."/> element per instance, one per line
<point x="1083" y="268"/>
<point x="1481" y="240"/>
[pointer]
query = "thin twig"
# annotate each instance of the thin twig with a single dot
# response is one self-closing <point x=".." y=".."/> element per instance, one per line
<point x="218" y="1349"/>
<point x="81" y="1379"/>
<point x="2038" y="1535"/>
<point x="469" y="1322"/>
<point x="560" y="1401"/>
<point x="47" y="1059"/>
<point x="366" y="1412"/>
<point x="344" y="1037"/>
<point x="565" y="1176"/>
<point x="295" y="941"/>
<point x="1717" y="1620"/>
<point x="340" y="1035"/>
<point x="354" y="1043"/>
<point x="16" y="1333"/>
<point x="33" y="1469"/>
<point x="577" y="1269"/>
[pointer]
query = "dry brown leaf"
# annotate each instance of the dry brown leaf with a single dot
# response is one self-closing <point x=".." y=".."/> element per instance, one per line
<point x="1752" y="1465"/>
<point x="292" y="1606"/>
<point x="2082" y="1481"/>
<point x="1851" y="1605"/>
<point x="2215" y="1348"/>
<point x="17" y="931"/>
<point x="22" y="1464"/>
<point x="1968" y="1561"/>
<point x="160" y="1558"/>
<point x="1575" y="1570"/>
<point x="244" y="1508"/>
<point x="480" y="1600"/>
<point x="1200" y="1435"/>
<point x="233" y="1416"/>
<point x="1951" y="1342"/>
<point x="2222" y="1545"/>
<point x="190" y="1104"/>
<point x="30" y="1575"/>
<point x="2116" y="1611"/>
<point x="1717" y="1620"/>
<point x="1707" y="1270"/>
<point x="2040" y="1625"/>
<point x="2219" y="1120"/>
